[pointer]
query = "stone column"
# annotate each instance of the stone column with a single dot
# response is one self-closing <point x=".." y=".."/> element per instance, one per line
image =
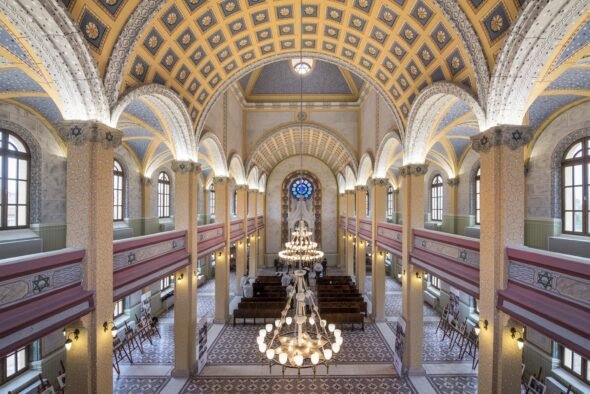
<point x="396" y="205"/>
<point x="89" y="217"/>
<point x="412" y="288"/>
<point x="253" y="251"/>
<point x="146" y="204"/>
<point x="378" y="215"/>
<point x="450" y="219"/>
<point x="361" y="244"/>
<point x="261" y="238"/>
<point x="185" y="287"/>
<point x="341" y="240"/>
<point x="242" y="213"/>
<point x="350" y="213"/>
<point x="502" y="224"/>
<point x="222" y="211"/>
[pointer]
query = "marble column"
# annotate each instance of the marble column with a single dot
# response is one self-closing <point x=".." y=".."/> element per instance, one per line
<point x="450" y="219"/>
<point x="186" y="183"/>
<point x="221" y="185"/>
<point x="412" y="288"/>
<point x="501" y="151"/>
<point x="253" y="250"/>
<point x="89" y="218"/>
<point x="361" y="244"/>
<point x="242" y="213"/>
<point x="378" y="215"/>
<point x="350" y="213"/>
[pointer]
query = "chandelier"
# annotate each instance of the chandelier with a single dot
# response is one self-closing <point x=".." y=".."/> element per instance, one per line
<point x="296" y="340"/>
<point x="301" y="249"/>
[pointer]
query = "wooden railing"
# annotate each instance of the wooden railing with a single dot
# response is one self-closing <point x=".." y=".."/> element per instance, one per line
<point x="366" y="229"/>
<point x="40" y="293"/>
<point x="140" y="261"/>
<point x="210" y="239"/>
<point x="452" y="258"/>
<point x="551" y="293"/>
<point x="389" y="238"/>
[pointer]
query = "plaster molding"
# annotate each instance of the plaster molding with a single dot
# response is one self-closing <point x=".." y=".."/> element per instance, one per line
<point x="242" y="188"/>
<point x="512" y="136"/>
<point x="146" y="181"/>
<point x="380" y="181"/>
<point x="220" y="180"/>
<point x="413" y="169"/>
<point x="185" y="167"/>
<point x="80" y="133"/>
<point x="453" y="181"/>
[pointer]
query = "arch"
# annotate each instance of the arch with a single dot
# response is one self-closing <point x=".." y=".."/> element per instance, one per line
<point x="59" y="48"/>
<point x="350" y="178"/>
<point x="318" y="141"/>
<point x="236" y="169"/>
<point x="535" y="35"/>
<point x="262" y="183"/>
<point x="172" y="110"/>
<point x="253" y="178"/>
<point x="365" y="170"/>
<point x="341" y="183"/>
<point x="216" y="154"/>
<point x="384" y="154"/>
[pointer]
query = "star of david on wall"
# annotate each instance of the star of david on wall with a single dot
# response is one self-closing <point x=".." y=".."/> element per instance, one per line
<point x="545" y="279"/>
<point x="40" y="283"/>
<point x="463" y="254"/>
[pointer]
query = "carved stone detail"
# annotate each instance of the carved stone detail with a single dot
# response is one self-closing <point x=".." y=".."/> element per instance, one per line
<point x="220" y="180"/>
<point x="380" y="181"/>
<point x="414" y="169"/>
<point x="513" y="136"/>
<point x="361" y="188"/>
<point x="242" y="187"/>
<point x="184" y="167"/>
<point x="146" y="181"/>
<point x="453" y="181"/>
<point x="79" y="133"/>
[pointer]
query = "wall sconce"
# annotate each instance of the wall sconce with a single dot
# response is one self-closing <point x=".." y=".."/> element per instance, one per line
<point x="520" y="340"/>
<point x="381" y="253"/>
<point x="219" y="254"/>
<point x="399" y="275"/>
<point x="426" y="276"/>
<point x="231" y="256"/>
<point x="477" y="327"/>
<point x="181" y="277"/>
<point x="114" y="330"/>
<point x="259" y="237"/>
<point x="240" y="243"/>
<point x="344" y="237"/>
<point x="418" y="276"/>
<point x="69" y="342"/>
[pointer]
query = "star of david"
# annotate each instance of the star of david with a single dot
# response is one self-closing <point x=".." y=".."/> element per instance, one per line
<point x="545" y="279"/>
<point x="130" y="258"/>
<point x="174" y="244"/>
<point x="423" y="244"/>
<point x="463" y="254"/>
<point x="40" y="283"/>
<point x="76" y="131"/>
<point x="484" y="141"/>
<point x="517" y="135"/>
<point x="109" y="136"/>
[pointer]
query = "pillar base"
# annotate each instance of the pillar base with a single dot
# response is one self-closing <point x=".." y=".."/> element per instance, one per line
<point x="182" y="373"/>
<point x="416" y="372"/>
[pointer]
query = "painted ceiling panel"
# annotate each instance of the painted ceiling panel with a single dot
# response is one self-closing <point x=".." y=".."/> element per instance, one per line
<point x="139" y="147"/>
<point x="574" y="79"/>
<point x="544" y="106"/>
<point x="580" y="40"/>
<point x="135" y="131"/>
<point x="9" y="43"/>
<point x="463" y="130"/>
<point x="161" y="148"/>
<point x="458" y="109"/>
<point x="459" y="145"/>
<point x="44" y="105"/>
<point x="13" y="80"/>
<point x="140" y="110"/>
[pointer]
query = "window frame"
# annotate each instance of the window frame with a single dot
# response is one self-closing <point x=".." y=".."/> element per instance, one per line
<point x="389" y="202"/>
<point x="584" y="162"/>
<point x="477" y="196"/>
<point x="120" y="173"/>
<point x="367" y="204"/>
<point x="163" y="195"/>
<point x="436" y="193"/>
<point x="116" y="304"/>
<point x="212" y="200"/>
<point x="3" y="365"/>
<point x="434" y="281"/>
<point x="5" y="155"/>
<point x="166" y="282"/>
<point x="234" y="208"/>
<point x="584" y="365"/>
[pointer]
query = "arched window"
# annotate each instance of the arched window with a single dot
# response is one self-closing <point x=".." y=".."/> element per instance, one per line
<point x="436" y="198"/>
<point x="118" y="182"/>
<point x="211" y="200"/>
<point x="389" y="202"/>
<point x="367" y="204"/>
<point x="576" y="188"/>
<point x="234" y="203"/>
<point x="477" y="196"/>
<point x="15" y="175"/>
<point x="163" y="195"/>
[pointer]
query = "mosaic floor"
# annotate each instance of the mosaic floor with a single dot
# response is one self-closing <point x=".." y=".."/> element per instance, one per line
<point x="161" y="351"/>
<point x="393" y="306"/>
<point x="453" y="384"/>
<point x="209" y="286"/>
<point x="235" y="345"/>
<point x="139" y="384"/>
<point x="330" y="384"/>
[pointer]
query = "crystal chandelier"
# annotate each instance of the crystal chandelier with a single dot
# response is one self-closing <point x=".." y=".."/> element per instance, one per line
<point x="301" y="249"/>
<point x="296" y="340"/>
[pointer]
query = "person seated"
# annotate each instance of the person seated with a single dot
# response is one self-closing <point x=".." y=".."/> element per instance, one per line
<point x="243" y="281"/>
<point x="285" y="280"/>
<point x="248" y="290"/>
<point x="318" y="269"/>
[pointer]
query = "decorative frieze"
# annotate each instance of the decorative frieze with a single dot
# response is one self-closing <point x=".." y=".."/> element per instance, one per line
<point x="449" y="251"/>
<point x="242" y="187"/>
<point x="414" y="169"/>
<point x="220" y="180"/>
<point x="512" y="136"/>
<point x="349" y="192"/>
<point x="380" y="181"/>
<point x="184" y="167"/>
<point x="139" y="255"/>
<point x="453" y="181"/>
<point x="82" y="132"/>
<point x="361" y="188"/>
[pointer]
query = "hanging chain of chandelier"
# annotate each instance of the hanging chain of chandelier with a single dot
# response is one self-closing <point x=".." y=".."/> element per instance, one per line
<point x="296" y="340"/>
<point x="301" y="249"/>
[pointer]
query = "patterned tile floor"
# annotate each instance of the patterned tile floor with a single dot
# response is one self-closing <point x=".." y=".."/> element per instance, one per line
<point x="453" y="384"/>
<point x="209" y="286"/>
<point x="292" y="385"/>
<point x="393" y="306"/>
<point x="139" y="384"/>
<point x="161" y="351"/>
<point x="235" y="345"/>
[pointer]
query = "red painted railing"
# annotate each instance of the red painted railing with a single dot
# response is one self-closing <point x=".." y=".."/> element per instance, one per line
<point x="260" y="222"/>
<point x="251" y="225"/>
<point x="351" y="227"/>
<point x="389" y="238"/>
<point x="236" y="230"/>
<point x="210" y="238"/>
<point x="366" y="229"/>
<point x="342" y="222"/>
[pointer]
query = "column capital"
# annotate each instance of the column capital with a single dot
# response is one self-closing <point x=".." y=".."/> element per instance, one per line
<point x="219" y="180"/>
<point x="361" y="188"/>
<point x="82" y="132"/>
<point x="510" y="135"/>
<point x="413" y="169"/>
<point x="260" y="192"/>
<point x="185" y="166"/>
<point x="146" y="180"/>
<point x="349" y="192"/>
<point x="380" y="181"/>
<point x="453" y="181"/>
<point x="242" y="187"/>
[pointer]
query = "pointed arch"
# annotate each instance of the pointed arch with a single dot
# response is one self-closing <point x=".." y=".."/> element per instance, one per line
<point x="341" y="183"/>
<point x="350" y="178"/>
<point x="262" y="183"/>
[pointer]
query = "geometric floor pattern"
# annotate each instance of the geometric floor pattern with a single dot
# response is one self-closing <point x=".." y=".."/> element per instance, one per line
<point x="454" y="384"/>
<point x="291" y="385"/>
<point x="161" y="351"/>
<point x="393" y="306"/>
<point x="236" y="345"/>
<point x="139" y="384"/>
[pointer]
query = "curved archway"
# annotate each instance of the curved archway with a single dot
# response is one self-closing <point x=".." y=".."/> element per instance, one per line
<point x="262" y="183"/>
<point x="236" y="169"/>
<point x="253" y="178"/>
<point x="365" y="170"/>
<point x="389" y="152"/>
<point x="213" y="152"/>
<point x="350" y="178"/>
<point x="341" y="183"/>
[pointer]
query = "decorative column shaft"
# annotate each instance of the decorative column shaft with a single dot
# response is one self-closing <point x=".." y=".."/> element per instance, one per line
<point x="501" y="152"/>
<point x="350" y="213"/>
<point x="89" y="217"/>
<point x="261" y="259"/>
<point x="253" y="250"/>
<point x="361" y="244"/>
<point x="412" y="288"/>
<point x="379" y="203"/>
<point x="146" y="205"/>
<point x="222" y="210"/>
<point x="185" y="290"/>
<point x="450" y="221"/>
<point x="242" y="213"/>
<point x="341" y="261"/>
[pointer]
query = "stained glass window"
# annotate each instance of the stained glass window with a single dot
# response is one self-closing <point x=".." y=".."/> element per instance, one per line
<point x="301" y="188"/>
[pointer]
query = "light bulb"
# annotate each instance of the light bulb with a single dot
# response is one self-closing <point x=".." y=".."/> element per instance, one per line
<point x="327" y="354"/>
<point x="339" y="341"/>
<point x="298" y="360"/>
<point x="64" y="332"/>
<point x="269" y="327"/>
<point x="277" y="322"/>
<point x="68" y="344"/>
<point x="476" y="329"/>
<point x="520" y="343"/>
<point x="331" y="327"/>
<point x="335" y="348"/>
<point x="262" y="333"/>
<point x="270" y="353"/>
<point x="114" y="331"/>
<point x="323" y="323"/>
<point x="262" y="347"/>
<point x="315" y="358"/>
<point x="283" y="358"/>
<point x="337" y="333"/>
<point x="260" y="340"/>
<point x="311" y="320"/>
